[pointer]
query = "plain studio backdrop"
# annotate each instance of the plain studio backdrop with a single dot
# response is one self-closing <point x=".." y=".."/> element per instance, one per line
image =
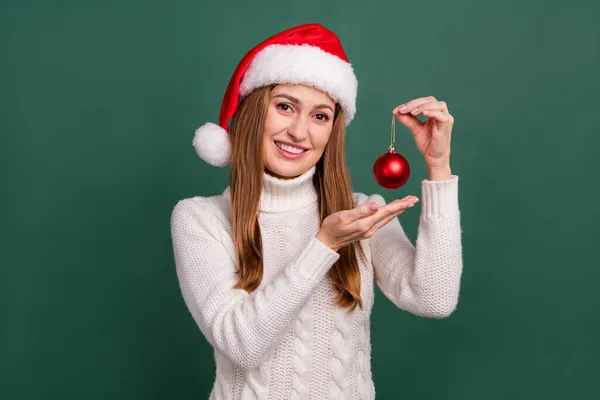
<point x="100" y="100"/>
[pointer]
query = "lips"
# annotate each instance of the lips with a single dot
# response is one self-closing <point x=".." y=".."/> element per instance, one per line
<point x="295" y="146"/>
<point x="288" y="154"/>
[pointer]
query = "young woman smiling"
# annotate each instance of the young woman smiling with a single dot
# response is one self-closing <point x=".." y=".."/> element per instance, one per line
<point x="278" y="271"/>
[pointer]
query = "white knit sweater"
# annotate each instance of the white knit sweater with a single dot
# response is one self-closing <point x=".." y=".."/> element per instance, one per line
<point x="287" y="339"/>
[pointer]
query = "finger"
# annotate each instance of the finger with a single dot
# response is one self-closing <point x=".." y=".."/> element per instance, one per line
<point x="387" y="220"/>
<point x="390" y="217"/>
<point x="362" y="211"/>
<point x="410" y="121"/>
<point x="434" y="105"/>
<point x="401" y="203"/>
<point x="439" y="115"/>
<point x="390" y="209"/>
<point x="407" y="107"/>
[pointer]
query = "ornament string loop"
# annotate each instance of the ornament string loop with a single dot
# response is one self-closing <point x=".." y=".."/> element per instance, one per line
<point x="393" y="133"/>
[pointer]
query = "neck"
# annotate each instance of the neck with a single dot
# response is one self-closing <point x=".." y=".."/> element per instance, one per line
<point x="281" y="195"/>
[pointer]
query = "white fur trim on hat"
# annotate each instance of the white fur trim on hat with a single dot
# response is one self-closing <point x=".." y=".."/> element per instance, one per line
<point x="212" y="144"/>
<point x="303" y="64"/>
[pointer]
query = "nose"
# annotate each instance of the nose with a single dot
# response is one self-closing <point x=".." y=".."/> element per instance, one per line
<point x="298" y="129"/>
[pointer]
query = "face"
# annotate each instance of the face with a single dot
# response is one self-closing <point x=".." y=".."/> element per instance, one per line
<point x="297" y="129"/>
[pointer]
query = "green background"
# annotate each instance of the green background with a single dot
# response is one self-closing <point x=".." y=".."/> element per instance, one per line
<point x="99" y="103"/>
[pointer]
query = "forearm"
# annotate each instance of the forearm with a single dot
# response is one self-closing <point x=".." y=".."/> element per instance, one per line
<point x="425" y="279"/>
<point x="435" y="279"/>
<point x="245" y="327"/>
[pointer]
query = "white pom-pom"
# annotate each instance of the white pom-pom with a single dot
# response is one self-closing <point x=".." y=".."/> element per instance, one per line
<point x="212" y="144"/>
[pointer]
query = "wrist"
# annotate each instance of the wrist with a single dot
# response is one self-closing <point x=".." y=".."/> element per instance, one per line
<point x="440" y="173"/>
<point x="322" y="237"/>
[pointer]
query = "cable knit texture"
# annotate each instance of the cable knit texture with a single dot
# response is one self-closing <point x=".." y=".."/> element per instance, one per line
<point x="288" y="339"/>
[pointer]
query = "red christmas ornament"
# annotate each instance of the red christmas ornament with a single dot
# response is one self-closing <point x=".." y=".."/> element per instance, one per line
<point x="391" y="170"/>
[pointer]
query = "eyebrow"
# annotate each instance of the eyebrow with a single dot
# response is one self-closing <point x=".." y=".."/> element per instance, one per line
<point x="297" y="101"/>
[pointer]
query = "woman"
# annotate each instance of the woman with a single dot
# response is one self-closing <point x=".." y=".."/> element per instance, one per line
<point x="278" y="271"/>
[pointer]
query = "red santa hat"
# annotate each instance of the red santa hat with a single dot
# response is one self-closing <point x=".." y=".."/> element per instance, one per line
<point x="307" y="54"/>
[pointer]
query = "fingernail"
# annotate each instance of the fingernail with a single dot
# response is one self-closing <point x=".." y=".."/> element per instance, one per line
<point x="402" y="108"/>
<point x="373" y="207"/>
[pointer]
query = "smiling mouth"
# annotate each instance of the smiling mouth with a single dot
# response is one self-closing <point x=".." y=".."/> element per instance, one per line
<point x="290" y="149"/>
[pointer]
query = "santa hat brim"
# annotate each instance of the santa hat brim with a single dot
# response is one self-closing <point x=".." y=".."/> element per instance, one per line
<point x="306" y="65"/>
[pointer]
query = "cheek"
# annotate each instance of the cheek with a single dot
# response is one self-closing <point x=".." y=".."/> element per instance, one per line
<point x="321" y="139"/>
<point x="274" y="123"/>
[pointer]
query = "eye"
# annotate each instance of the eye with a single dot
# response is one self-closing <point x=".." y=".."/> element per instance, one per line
<point x="323" y="117"/>
<point x="284" y="106"/>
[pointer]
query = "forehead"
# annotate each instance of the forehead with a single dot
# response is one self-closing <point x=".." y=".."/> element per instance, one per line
<point x="304" y="93"/>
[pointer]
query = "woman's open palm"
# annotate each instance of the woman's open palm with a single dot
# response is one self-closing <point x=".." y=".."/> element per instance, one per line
<point x="344" y="227"/>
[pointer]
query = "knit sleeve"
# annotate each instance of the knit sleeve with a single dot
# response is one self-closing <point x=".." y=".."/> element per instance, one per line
<point x="422" y="279"/>
<point x="242" y="326"/>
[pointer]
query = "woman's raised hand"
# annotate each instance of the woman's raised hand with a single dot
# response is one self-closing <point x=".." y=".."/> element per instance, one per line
<point x="344" y="227"/>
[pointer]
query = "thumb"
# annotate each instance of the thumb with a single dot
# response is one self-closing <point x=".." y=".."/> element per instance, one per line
<point x="363" y="210"/>
<point x="409" y="120"/>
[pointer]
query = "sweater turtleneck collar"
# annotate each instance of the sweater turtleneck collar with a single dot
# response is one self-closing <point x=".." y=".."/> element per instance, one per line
<point x="282" y="195"/>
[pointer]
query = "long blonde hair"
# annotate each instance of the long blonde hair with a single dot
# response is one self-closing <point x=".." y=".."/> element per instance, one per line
<point x="331" y="180"/>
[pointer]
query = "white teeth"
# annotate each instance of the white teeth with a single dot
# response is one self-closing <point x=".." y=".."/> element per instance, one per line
<point x="289" y="149"/>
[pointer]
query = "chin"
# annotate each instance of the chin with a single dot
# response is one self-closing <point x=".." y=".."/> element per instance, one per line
<point x="286" y="173"/>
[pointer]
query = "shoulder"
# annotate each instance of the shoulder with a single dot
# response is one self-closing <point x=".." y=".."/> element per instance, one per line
<point x="207" y="211"/>
<point x="361" y="198"/>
